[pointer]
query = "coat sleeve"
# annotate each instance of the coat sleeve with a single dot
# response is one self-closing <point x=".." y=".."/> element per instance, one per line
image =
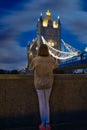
<point x="55" y="63"/>
<point x="31" y="66"/>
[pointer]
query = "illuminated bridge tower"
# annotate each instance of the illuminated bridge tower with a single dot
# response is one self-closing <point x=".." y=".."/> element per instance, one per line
<point x="50" y="30"/>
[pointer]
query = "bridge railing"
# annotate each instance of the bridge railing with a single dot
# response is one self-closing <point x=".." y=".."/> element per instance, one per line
<point x="72" y="62"/>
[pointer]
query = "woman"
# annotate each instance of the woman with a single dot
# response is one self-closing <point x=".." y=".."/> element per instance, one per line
<point x="43" y="65"/>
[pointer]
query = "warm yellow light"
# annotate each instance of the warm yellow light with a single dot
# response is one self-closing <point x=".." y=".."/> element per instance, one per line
<point x="31" y="54"/>
<point x="47" y="18"/>
<point x="48" y="13"/>
<point x="45" y="23"/>
<point x="51" y="43"/>
<point x="55" y="25"/>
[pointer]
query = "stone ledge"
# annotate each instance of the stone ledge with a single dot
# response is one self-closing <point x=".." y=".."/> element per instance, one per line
<point x="19" y="102"/>
<point x="56" y="76"/>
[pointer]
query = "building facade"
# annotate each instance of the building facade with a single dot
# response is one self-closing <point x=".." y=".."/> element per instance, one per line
<point x="50" y="30"/>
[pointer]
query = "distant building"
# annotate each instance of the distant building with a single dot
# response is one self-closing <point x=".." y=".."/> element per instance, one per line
<point x="50" y="30"/>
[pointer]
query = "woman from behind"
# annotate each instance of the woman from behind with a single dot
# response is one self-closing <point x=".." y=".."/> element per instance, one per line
<point x="43" y="65"/>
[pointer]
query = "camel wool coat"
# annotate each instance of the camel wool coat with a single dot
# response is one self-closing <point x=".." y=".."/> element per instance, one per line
<point x="43" y="71"/>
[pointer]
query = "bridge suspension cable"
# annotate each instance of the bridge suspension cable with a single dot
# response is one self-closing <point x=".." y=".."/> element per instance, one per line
<point x="61" y="54"/>
<point x="68" y="47"/>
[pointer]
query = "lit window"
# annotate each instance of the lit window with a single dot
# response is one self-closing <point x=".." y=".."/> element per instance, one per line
<point x="55" y="25"/>
<point x="51" y="43"/>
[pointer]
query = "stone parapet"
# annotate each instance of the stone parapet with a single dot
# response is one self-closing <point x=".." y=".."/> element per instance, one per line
<point x="18" y="98"/>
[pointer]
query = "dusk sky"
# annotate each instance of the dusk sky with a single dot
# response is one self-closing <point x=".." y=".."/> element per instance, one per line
<point x="18" y="20"/>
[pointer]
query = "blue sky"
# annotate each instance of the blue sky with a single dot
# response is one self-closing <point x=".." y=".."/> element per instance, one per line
<point x="18" y="19"/>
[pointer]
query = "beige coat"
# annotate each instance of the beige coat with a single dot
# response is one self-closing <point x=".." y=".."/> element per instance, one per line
<point x="43" y="71"/>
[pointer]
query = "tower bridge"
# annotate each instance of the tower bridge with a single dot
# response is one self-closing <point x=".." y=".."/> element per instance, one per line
<point x="49" y="31"/>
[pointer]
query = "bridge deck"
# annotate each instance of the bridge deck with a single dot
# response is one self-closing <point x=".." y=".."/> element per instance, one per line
<point x="77" y="63"/>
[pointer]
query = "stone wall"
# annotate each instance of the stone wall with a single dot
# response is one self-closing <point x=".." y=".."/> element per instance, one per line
<point x="19" y="102"/>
